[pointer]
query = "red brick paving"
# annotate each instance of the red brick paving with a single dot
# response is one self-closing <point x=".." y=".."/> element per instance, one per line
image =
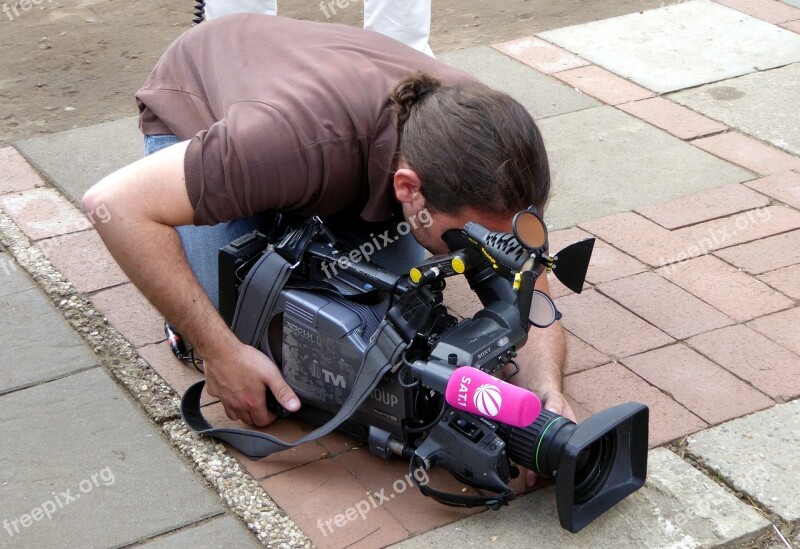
<point x="541" y="55"/>
<point x="15" y="172"/>
<point x="771" y="11"/>
<point x="781" y="186"/>
<point x="581" y="356"/>
<point x="604" y="85"/>
<point x="782" y="328"/>
<point x="708" y="390"/>
<point x="746" y="151"/>
<point x="608" y="327"/>
<point x="753" y="357"/>
<point x="703" y="206"/>
<point x="742" y="227"/>
<point x="83" y="260"/>
<point x="130" y="312"/>
<point x="316" y="493"/>
<point x="415" y="512"/>
<point x="666" y="306"/>
<point x="673" y="118"/>
<point x="792" y="26"/>
<point x="767" y="254"/>
<point x="637" y="236"/>
<point x="733" y="292"/>
<point x="786" y="280"/>
<point x="43" y="213"/>
<point x="612" y="384"/>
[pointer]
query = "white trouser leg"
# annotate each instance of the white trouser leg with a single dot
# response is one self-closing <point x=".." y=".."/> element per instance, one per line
<point x="217" y="8"/>
<point x="408" y="21"/>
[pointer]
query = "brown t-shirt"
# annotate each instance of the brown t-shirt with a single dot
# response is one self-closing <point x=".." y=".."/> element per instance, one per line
<point x="283" y="114"/>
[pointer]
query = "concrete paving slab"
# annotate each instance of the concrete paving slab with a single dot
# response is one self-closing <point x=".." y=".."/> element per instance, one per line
<point x="542" y="95"/>
<point x="604" y="161"/>
<point x="762" y="104"/>
<point x="80" y="449"/>
<point x="678" y="507"/>
<point x="36" y="343"/>
<point x="220" y="532"/>
<point x="12" y="277"/>
<point x="681" y="46"/>
<point x="757" y="455"/>
<point x="77" y="159"/>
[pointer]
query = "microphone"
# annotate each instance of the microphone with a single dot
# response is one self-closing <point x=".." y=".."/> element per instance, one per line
<point x="479" y="393"/>
<point x="474" y="391"/>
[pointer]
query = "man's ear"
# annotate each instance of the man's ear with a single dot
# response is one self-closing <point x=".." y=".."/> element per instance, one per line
<point x="407" y="186"/>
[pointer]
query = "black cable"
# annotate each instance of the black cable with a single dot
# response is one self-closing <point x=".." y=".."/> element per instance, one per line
<point x="411" y="430"/>
<point x="199" y="14"/>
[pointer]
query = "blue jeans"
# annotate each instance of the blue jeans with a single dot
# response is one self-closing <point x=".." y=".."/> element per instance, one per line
<point x="202" y="243"/>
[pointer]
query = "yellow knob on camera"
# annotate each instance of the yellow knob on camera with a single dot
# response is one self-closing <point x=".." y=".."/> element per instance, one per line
<point x="416" y="275"/>
<point x="458" y="265"/>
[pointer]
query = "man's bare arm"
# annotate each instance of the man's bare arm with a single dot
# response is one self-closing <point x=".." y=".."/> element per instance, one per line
<point x="147" y="199"/>
<point x="542" y="362"/>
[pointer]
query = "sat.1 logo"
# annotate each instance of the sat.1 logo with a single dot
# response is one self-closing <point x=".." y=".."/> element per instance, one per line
<point x="487" y="399"/>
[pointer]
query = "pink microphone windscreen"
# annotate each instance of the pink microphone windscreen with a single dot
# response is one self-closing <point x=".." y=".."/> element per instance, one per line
<point x="479" y="393"/>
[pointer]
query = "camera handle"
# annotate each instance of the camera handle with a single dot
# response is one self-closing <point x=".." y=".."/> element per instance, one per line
<point x="455" y="437"/>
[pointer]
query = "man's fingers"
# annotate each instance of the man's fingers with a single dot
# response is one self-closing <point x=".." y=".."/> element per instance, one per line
<point x="246" y="418"/>
<point x="233" y="416"/>
<point x="531" y="478"/>
<point x="284" y="393"/>
<point x="261" y="416"/>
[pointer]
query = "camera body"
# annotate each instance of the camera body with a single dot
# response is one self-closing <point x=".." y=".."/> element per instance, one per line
<point x="320" y="328"/>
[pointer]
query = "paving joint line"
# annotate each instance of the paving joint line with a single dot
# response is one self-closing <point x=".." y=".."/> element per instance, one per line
<point x="7" y="392"/>
<point x="239" y="491"/>
<point x="166" y="533"/>
<point x="680" y="448"/>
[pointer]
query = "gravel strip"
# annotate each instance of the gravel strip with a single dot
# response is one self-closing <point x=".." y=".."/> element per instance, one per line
<point x="240" y="491"/>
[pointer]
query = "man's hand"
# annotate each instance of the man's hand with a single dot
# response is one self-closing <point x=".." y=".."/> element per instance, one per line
<point x="240" y="380"/>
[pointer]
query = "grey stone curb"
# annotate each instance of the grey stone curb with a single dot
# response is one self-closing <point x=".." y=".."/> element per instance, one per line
<point x="236" y="487"/>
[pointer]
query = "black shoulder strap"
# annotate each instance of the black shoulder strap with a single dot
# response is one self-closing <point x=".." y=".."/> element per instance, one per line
<point x="257" y="297"/>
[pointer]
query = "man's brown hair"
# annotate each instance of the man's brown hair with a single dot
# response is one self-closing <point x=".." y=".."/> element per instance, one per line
<point x="471" y="147"/>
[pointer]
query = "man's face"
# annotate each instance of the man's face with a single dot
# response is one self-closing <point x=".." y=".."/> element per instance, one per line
<point x="429" y="235"/>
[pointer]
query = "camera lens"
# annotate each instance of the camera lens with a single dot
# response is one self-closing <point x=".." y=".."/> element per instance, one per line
<point x="596" y="464"/>
<point x="592" y="466"/>
<point x="540" y="446"/>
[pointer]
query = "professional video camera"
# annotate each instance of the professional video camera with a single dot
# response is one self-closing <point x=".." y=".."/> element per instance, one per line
<point x="380" y="353"/>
